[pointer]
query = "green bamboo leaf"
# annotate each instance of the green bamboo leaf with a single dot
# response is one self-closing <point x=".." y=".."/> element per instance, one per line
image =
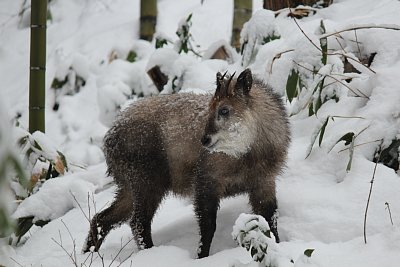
<point x="315" y="135"/>
<point x="308" y="252"/>
<point x="318" y="102"/>
<point x="310" y="110"/>
<point x="322" y="132"/>
<point x="19" y="169"/>
<point x="291" y="85"/>
<point x="351" y="153"/>
<point x="189" y="17"/>
<point x="348" y="138"/>
<point x="132" y="55"/>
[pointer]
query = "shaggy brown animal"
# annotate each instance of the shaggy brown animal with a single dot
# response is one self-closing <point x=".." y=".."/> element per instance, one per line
<point x="200" y="146"/>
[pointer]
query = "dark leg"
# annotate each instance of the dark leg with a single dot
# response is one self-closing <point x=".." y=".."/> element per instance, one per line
<point x="206" y="205"/>
<point x="144" y="210"/>
<point x="119" y="212"/>
<point x="145" y="206"/>
<point x="265" y="205"/>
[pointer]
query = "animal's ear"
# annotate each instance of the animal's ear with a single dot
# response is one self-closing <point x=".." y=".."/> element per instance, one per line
<point x="221" y="86"/>
<point x="244" y="82"/>
<point x="219" y="78"/>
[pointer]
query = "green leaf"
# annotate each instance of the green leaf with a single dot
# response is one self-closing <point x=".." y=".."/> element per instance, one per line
<point x="132" y="56"/>
<point x="308" y="252"/>
<point x="189" y="17"/>
<point x="291" y="85"/>
<point x="318" y="102"/>
<point x="19" y="169"/>
<point x="270" y="38"/>
<point x="310" y="110"/>
<point x="160" y="42"/>
<point x="348" y="138"/>
<point x="351" y="153"/>
<point x="322" y="131"/>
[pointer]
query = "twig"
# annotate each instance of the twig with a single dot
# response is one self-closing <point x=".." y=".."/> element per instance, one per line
<point x="387" y="27"/>
<point x="16" y="262"/>
<point x="120" y="250"/>
<point x="70" y="255"/>
<point x="369" y="197"/>
<point x="332" y="77"/>
<point x="390" y="213"/>
<point x="88" y="198"/>
<point x="80" y="207"/>
<point x="340" y="44"/>
<point x="331" y="54"/>
<point x="278" y="56"/>
<point x="366" y="143"/>
<point x="348" y="117"/>
<point x="91" y="260"/>
<point x="309" y="39"/>
<point x="72" y="238"/>
<point x="358" y="45"/>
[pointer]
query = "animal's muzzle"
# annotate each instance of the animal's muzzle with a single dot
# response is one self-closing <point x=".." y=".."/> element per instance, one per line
<point x="206" y="140"/>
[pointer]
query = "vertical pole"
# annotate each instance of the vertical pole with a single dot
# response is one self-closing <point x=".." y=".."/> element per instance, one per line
<point x="241" y="13"/>
<point x="148" y="19"/>
<point x="37" y="75"/>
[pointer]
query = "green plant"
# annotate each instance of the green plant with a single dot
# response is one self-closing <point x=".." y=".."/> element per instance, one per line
<point x="44" y="162"/>
<point x="71" y="84"/>
<point x="184" y="44"/>
<point x="252" y="233"/>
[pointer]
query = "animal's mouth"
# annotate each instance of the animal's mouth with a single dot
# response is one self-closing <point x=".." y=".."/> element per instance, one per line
<point x="212" y="146"/>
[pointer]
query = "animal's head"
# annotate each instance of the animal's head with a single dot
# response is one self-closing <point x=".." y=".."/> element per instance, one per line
<point x="230" y="127"/>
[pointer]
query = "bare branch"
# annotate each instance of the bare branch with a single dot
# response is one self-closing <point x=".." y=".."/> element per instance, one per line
<point x="332" y="54"/>
<point x="387" y="27"/>
<point x="80" y="207"/>
<point x="277" y="56"/>
<point x="334" y="78"/>
<point x="120" y="250"/>
<point x="16" y="262"/>
<point x="369" y="196"/>
<point x="390" y="213"/>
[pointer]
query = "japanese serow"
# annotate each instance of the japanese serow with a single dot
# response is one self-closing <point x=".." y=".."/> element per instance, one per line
<point x="199" y="146"/>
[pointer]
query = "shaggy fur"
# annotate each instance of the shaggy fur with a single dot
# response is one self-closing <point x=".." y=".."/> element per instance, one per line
<point x="155" y="147"/>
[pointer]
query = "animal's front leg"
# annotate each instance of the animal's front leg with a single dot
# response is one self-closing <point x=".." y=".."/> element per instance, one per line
<point x="265" y="204"/>
<point x="206" y="205"/>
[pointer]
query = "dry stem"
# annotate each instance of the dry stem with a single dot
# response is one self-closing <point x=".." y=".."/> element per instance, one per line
<point x="369" y="197"/>
<point x="396" y="28"/>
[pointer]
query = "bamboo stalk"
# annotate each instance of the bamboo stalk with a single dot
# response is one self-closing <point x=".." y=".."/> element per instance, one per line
<point x="148" y="19"/>
<point x="241" y="14"/>
<point x="37" y="66"/>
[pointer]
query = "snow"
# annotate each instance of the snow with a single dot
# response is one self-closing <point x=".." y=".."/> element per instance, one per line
<point x="321" y="205"/>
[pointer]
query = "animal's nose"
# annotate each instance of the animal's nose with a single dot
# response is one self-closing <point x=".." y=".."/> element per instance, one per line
<point x="206" y="140"/>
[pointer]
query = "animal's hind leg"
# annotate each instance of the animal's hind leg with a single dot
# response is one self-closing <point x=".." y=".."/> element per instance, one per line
<point x="119" y="212"/>
<point x="264" y="203"/>
<point x="145" y="206"/>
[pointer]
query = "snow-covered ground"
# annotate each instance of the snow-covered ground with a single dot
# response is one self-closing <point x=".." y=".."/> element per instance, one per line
<point x="321" y="205"/>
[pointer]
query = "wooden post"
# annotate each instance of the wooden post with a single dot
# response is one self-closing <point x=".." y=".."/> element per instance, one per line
<point x="159" y="79"/>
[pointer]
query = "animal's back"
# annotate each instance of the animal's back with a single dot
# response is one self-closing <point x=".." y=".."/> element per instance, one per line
<point x="161" y="132"/>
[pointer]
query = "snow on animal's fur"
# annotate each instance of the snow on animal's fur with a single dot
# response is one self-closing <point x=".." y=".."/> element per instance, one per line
<point x="201" y="146"/>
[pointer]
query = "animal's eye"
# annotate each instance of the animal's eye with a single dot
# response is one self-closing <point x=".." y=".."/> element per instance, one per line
<point x="224" y="111"/>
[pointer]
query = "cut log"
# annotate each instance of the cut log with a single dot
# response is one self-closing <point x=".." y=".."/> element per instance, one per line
<point x="159" y="79"/>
